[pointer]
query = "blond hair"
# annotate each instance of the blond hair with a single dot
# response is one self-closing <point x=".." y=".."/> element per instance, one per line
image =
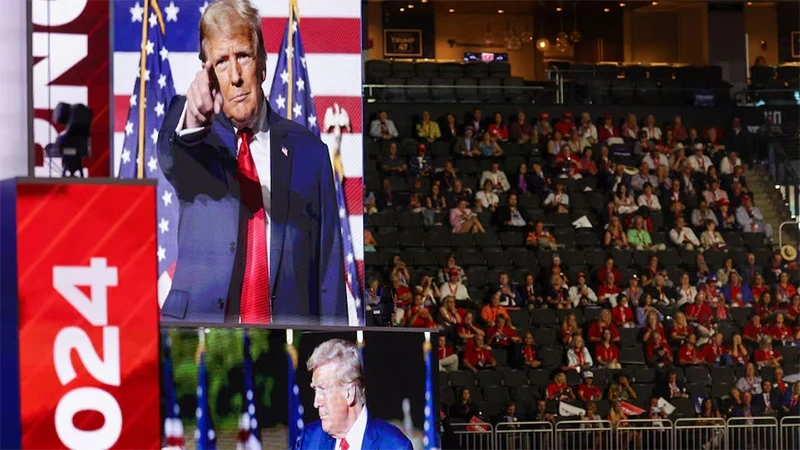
<point x="229" y="15"/>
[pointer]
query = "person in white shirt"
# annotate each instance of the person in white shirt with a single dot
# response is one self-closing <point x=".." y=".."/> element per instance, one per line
<point x="729" y="163"/>
<point x="655" y="158"/>
<point x="340" y="397"/>
<point x="699" y="161"/>
<point x="557" y="201"/>
<point x="453" y="287"/>
<point x="578" y="355"/>
<point x="497" y="177"/>
<point x="683" y="236"/>
<point x="648" y="199"/>
<point x="703" y="214"/>
<point x="581" y="294"/>
<point x="587" y="129"/>
<point x="486" y="200"/>
<point x="750" y="219"/>
<point x="651" y="129"/>
<point x="382" y="128"/>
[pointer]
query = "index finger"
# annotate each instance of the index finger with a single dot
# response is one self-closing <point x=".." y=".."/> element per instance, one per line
<point x="212" y="75"/>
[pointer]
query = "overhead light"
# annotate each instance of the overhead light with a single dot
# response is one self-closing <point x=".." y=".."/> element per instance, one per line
<point x="543" y="44"/>
<point x="655" y="3"/>
<point x="622" y="5"/>
<point x="749" y="3"/>
<point x="410" y="6"/>
<point x="500" y="11"/>
<point x="402" y="9"/>
<point x="606" y="10"/>
<point x="558" y="9"/>
<point x="424" y="1"/>
<point x="451" y="10"/>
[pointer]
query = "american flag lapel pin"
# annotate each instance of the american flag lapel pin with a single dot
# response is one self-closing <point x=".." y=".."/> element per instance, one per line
<point x="284" y="151"/>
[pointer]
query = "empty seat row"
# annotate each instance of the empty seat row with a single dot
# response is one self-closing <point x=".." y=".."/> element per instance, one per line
<point x="377" y="70"/>
<point x="442" y="89"/>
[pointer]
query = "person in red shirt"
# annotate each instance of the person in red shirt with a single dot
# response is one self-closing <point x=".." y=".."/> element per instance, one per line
<point x="565" y="125"/>
<point x="688" y="353"/>
<point x="587" y="391"/>
<point x="606" y="353"/>
<point x="759" y="287"/>
<point x="778" y="383"/>
<point x="680" y="329"/>
<point x="608" y="268"/>
<point x="779" y="331"/>
<point x="738" y="352"/>
<point x="622" y="314"/>
<point x="652" y="327"/>
<point x="559" y="389"/>
<point x="766" y="355"/>
<point x="715" y="353"/>
<point x="607" y="130"/>
<point x="596" y="328"/>
<point x="501" y="335"/>
<point x="570" y="329"/>
<point x="659" y="354"/>
<point x="700" y="315"/>
<point x="478" y="356"/>
<point x="765" y="307"/>
<point x="784" y="290"/>
<point x="448" y="360"/>
<point x="419" y="316"/>
<point x="607" y="293"/>
<point x="529" y="358"/>
<point x="754" y="331"/>
<point x="793" y="310"/>
<point x="498" y="129"/>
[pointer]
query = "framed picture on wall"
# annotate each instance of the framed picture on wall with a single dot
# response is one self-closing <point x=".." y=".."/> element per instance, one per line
<point x="795" y="44"/>
<point x="402" y="43"/>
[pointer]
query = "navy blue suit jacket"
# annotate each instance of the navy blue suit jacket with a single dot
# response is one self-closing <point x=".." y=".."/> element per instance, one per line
<point x="306" y="262"/>
<point x="378" y="435"/>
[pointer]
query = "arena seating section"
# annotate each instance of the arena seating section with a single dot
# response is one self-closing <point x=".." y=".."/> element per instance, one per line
<point x="484" y="256"/>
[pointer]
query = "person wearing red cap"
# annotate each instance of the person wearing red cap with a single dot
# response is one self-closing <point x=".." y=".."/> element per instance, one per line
<point x="608" y="130"/>
<point x="453" y="287"/>
<point x="544" y="128"/>
<point x="749" y="217"/>
<point x="565" y="125"/>
<point x="581" y="294"/>
<point x="420" y="166"/>
<point x="427" y="129"/>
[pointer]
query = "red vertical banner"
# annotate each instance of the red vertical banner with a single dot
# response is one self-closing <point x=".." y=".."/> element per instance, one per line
<point x="88" y="316"/>
<point x="71" y="64"/>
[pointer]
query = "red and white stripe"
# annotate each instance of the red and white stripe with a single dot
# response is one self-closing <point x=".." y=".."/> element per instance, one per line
<point x="331" y="32"/>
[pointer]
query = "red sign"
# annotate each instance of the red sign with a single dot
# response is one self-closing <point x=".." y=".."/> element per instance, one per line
<point x="70" y="49"/>
<point x="88" y="316"/>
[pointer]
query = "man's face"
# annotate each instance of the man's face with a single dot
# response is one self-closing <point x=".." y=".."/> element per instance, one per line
<point x="392" y="149"/>
<point x="747" y="397"/>
<point x="541" y="405"/>
<point x="766" y="387"/>
<point x="468" y="132"/>
<point x="382" y="116"/>
<point x="512" y="200"/>
<point x="331" y="398"/>
<point x="495" y="167"/>
<point x="442" y="341"/>
<point x="673" y="377"/>
<point x="239" y="74"/>
<point x="503" y="279"/>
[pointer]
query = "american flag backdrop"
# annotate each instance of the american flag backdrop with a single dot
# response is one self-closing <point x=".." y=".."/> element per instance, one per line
<point x="204" y="435"/>
<point x="331" y="63"/>
<point x="173" y="427"/>
<point x="249" y="433"/>
<point x="296" y="423"/>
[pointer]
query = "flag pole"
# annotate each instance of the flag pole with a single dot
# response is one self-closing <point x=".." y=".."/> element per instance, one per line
<point x="142" y="66"/>
<point x="290" y="58"/>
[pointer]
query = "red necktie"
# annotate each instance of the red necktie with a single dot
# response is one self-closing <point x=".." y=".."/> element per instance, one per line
<point x="344" y="445"/>
<point x="255" y="300"/>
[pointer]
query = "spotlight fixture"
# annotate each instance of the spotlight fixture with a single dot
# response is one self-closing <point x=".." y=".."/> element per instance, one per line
<point x="622" y="5"/>
<point x="424" y="1"/>
<point x="451" y="10"/>
<point x="606" y="10"/>
<point x="559" y="9"/>
<point x="410" y="6"/>
<point x="543" y="44"/>
<point x="500" y="11"/>
<point x="655" y="3"/>
<point x="402" y="9"/>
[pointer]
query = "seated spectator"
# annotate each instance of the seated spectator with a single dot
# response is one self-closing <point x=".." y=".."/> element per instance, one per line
<point x="487" y="199"/>
<point x="467" y="330"/>
<point x="539" y="182"/>
<point x="652" y="130"/>
<point x="606" y="352"/>
<point x="475" y="119"/>
<point x="508" y="416"/>
<point x="725" y="218"/>
<point x="655" y="158"/>
<point x="420" y="166"/>
<point x="736" y="177"/>
<point x="635" y="293"/>
<point x="699" y="161"/>
<point x="509" y="296"/>
<point x="429" y="291"/>
<point x="791" y="402"/>
<point x="446" y="177"/>
<point x="778" y="383"/>
<point x="448" y="360"/>
<point x="630" y="128"/>
<point x="595" y="333"/>
<point x="710" y="177"/>
<point x="793" y="310"/>
<point x="780" y="331"/>
<point x="578" y="355"/>
<point x="373" y="292"/>
<point x="559" y="389"/>
<point x="680" y="330"/>
<point x="728" y="163"/>
<point x="688" y="354"/>
<point x="683" y="237"/>
<point x="497" y="177"/>
<point x="702" y="215"/>
<point x="466" y="145"/>
<point x="540" y="414"/>
<point x="714" y="143"/>
<point x="588" y="391"/>
<point x="651" y="323"/>
<point x="566" y="124"/>
<point x="686" y="291"/>
<point x="465" y="408"/>
<point x="478" y="356"/>
<point x="736" y="195"/>
<point x="522" y="180"/>
<point x="622" y="314"/>
<point x="532" y="295"/>
<point x="737" y="294"/>
<point x="458" y="193"/>
<point x="370" y="204"/>
<point x="557" y="201"/>
<point x="464" y="220"/>
<point x="528" y="353"/>
<point x="750" y="382"/>
<point x="766" y="356"/>
<point x="750" y="219"/>
<point x="671" y="388"/>
<point x="369" y="241"/>
<point x="765" y="307"/>
<point x="521" y="132"/>
<point x="501" y="335"/>
<point x="746" y="408"/>
<point x="557" y="295"/>
<point x="713" y="195"/>
<point x="624" y="202"/>
<point x="643" y="177"/>
<point x="454" y="287"/>
<point x="554" y="268"/>
<point x="784" y="290"/>
<point x="621" y="389"/>
<point x="768" y="401"/>
<point x="543" y="127"/>
<point x="700" y="316"/>
<point x="570" y="329"/>
<point x="586" y="165"/>
<point x="400" y="271"/>
<point x="738" y="351"/>
<point x="382" y="128"/>
<point x="415" y="203"/>
<point x="750" y="270"/>
<point x="539" y="237"/>
<point x="449" y="316"/>
<point x="444" y="272"/>
<point x="490" y="311"/>
<point x="615" y="236"/>
<point x="576" y="142"/>
<point x="580" y="294"/>
<point x="435" y="201"/>
<point x="554" y="145"/>
<point x="608" y="133"/>
<point x="711" y="239"/>
<point x="754" y="331"/>
<point x="608" y="293"/>
<point x="661" y="293"/>
<point x="587" y="130"/>
<point x="639" y="237"/>
<point x="659" y="353"/>
<point x="449" y="128"/>
<point x="428" y="130"/>
<point x="511" y="218"/>
<point x="565" y="159"/>
<point x="489" y="147"/>
<point x="498" y="129"/>
<point x="393" y="164"/>
<point x="715" y="353"/>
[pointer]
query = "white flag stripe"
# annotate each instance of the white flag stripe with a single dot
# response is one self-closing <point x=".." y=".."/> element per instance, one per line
<point x="310" y="8"/>
<point x="330" y="74"/>
<point x="352" y="153"/>
<point x="357" y="234"/>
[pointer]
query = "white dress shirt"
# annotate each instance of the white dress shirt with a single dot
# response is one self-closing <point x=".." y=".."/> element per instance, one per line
<point x="355" y="437"/>
<point x="261" y="150"/>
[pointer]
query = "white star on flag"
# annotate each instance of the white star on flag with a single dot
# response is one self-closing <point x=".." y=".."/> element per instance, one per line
<point x="294" y="27"/>
<point x="172" y="12"/>
<point x="154" y="135"/>
<point x="133" y="100"/>
<point x="300" y="84"/>
<point x="164" y="53"/>
<point x="303" y="61"/>
<point x="129" y="128"/>
<point x="203" y="8"/>
<point x="312" y="121"/>
<point x="147" y="74"/>
<point x="280" y="102"/>
<point x="298" y="110"/>
<point x="152" y="164"/>
<point x="150" y="47"/>
<point x="162" y="81"/>
<point x="126" y="155"/>
<point x="167" y="198"/>
<point x="159" y="109"/>
<point x="285" y="77"/>
<point x="137" y="12"/>
<point x="163" y="225"/>
<point x="153" y="20"/>
<point x="350" y="257"/>
<point x="289" y="52"/>
<point x="162" y="253"/>
<point x="342" y="213"/>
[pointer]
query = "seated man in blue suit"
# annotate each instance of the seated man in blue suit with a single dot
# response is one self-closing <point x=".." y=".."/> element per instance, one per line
<point x="341" y="400"/>
<point x="259" y="239"/>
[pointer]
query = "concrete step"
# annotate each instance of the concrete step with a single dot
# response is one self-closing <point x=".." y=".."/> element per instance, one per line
<point x="771" y="204"/>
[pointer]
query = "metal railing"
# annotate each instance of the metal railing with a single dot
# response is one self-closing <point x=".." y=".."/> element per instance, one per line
<point x="786" y="179"/>
<point x="763" y="433"/>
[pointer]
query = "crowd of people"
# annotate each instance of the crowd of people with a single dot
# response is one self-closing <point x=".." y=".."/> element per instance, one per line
<point x="686" y="181"/>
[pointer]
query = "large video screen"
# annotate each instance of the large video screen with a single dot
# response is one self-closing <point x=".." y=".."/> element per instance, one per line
<point x="255" y="138"/>
<point x="259" y="388"/>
